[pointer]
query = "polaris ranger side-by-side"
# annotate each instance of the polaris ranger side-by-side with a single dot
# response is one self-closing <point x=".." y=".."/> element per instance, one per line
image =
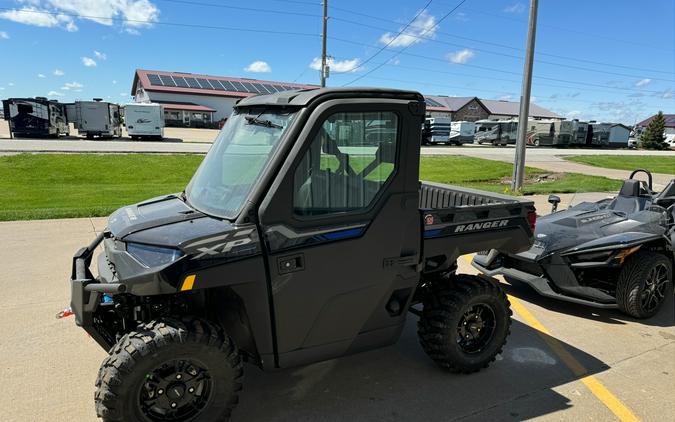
<point x="304" y="235"/>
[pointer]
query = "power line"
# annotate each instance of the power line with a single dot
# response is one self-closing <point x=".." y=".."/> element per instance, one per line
<point x="394" y="38"/>
<point x="424" y="69"/>
<point x="409" y="45"/>
<point x="493" y="43"/>
<point x="488" y="68"/>
<point x="177" y="24"/>
<point x="588" y="34"/>
<point x="245" y="9"/>
<point x="431" y="39"/>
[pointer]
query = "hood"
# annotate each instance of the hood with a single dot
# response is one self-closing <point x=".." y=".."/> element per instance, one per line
<point x="165" y="221"/>
<point x="587" y="223"/>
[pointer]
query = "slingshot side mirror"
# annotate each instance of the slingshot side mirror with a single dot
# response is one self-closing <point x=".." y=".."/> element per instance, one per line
<point x="554" y="200"/>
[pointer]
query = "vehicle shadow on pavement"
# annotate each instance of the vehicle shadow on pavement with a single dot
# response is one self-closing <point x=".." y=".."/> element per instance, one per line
<point x="664" y="318"/>
<point x="400" y="383"/>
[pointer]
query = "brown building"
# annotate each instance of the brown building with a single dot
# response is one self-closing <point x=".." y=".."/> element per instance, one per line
<point x="473" y="108"/>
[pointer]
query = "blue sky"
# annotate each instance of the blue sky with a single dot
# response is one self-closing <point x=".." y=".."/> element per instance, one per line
<point x="605" y="60"/>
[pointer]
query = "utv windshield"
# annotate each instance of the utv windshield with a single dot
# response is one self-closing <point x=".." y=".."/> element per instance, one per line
<point x="235" y="162"/>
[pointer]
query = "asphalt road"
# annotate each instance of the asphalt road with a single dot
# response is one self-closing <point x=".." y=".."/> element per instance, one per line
<point x="563" y="362"/>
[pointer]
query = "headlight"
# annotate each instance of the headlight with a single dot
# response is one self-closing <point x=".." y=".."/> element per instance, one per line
<point x="153" y="256"/>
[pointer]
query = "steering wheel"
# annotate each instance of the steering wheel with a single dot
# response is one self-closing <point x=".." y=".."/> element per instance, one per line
<point x="649" y="177"/>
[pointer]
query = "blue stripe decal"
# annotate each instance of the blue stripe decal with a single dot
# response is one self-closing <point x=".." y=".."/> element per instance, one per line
<point x="432" y="233"/>
<point x="344" y="234"/>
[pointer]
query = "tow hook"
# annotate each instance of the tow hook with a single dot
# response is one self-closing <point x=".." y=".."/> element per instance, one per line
<point x="64" y="313"/>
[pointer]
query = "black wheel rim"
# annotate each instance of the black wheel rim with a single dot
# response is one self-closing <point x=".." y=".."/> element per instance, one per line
<point x="177" y="390"/>
<point x="654" y="290"/>
<point x="476" y="328"/>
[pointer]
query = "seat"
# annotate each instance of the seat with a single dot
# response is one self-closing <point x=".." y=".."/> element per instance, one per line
<point x="629" y="200"/>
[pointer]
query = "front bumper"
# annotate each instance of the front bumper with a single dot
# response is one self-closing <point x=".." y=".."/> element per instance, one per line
<point x="540" y="284"/>
<point x="87" y="293"/>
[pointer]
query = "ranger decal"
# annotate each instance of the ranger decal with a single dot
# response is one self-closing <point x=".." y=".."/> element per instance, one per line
<point x="481" y="226"/>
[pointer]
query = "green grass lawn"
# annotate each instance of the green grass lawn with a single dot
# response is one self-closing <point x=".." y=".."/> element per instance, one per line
<point x="653" y="163"/>
<point x="37" y="186"/>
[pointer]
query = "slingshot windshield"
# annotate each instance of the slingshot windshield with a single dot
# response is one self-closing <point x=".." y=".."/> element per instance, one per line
<point x="235" y="162"/>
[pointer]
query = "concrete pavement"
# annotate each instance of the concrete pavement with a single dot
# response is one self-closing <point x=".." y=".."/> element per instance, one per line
<point x="48" y="366"/>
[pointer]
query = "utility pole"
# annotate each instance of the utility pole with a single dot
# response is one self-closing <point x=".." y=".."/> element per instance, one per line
<point x="324" y="67"/>
<point x="519" y="162"/>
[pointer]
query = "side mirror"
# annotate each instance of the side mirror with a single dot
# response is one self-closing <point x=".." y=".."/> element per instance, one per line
<point x="554" y="200"/>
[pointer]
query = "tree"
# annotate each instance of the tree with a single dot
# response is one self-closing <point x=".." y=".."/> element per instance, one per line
<point x="653" y="137"/>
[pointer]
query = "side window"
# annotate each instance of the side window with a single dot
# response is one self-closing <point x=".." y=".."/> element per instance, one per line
<point x="347" y="164"/>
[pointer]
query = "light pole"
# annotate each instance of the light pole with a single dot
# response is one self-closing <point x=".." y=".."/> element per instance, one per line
<point x="324" y="69"/>
<point x="519" y="162"/>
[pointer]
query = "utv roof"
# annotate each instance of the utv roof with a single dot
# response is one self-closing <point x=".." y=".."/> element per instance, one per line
<point x="303" y="97"/>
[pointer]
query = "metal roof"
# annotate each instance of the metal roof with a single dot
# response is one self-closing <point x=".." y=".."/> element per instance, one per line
<point x="509" y="108"/>
<point x="190" y="83"/>
<point x="446" y="103"/>
<point x="670" y="120"/>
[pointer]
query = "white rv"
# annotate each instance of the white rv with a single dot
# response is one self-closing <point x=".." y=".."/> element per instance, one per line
<point x="462" y="132"/>
<point x="436" y="130"/>
<point x="95" y="118"/>
<point x="144" y="120"/>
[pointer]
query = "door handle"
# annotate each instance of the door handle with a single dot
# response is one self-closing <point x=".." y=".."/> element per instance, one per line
<point x="291" y="263"/>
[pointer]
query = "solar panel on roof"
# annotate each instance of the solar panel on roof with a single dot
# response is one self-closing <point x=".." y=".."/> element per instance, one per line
<point x="238" y="87"/>
<point x="216" y="85"/>
<point x="192" y="83"/>
<point x="269" y="88"/>
<point x="433" y="103"/>
<point x="204" y="83"/>
<point x="249" y="88"/>
<point x="180" y="81"/>
<point x="167" y="80"/>
<point x="261" y="89"/>
<point x="228" y="85"/>
<point x="154" y="80"/>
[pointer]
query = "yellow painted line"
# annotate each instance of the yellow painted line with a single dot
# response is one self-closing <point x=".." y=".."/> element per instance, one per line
<point x="612" y="402"/>
<point x="188" y="282"/>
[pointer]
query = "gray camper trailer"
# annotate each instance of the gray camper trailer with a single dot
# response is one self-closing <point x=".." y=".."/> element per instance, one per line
<point x="96" y="118"/>
<point x="496" y="132"/>
<point x="37" y="117"/>
<point x="600" y="134"/>
<point x="549" y="132"/>
<point x="579" y="133"/>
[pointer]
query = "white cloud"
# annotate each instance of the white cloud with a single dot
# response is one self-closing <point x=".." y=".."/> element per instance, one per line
<point x="41" y="76"/>
<point x="340" y="66"/>
<point x="54" y="94"/>
<point x="395" y="61"/>
<point x="31" y="15"/>
<point x="134" y="13"/>
<point x="643" y="82"/>
<point x="10" y="84"/>
<point x="88" y="61"/>
<point x="99" y="55"/>
<point x="258" y="66"/>
<point x="666" y="95"/>
<point x="515" y="8"/>
<point x="58" y="72"/>
<point x="507" y="97"/>
<point x="461" y="16"/>
<point x="4" y="35"/>
<point x="424" y="26"/>
<point x="71" y="85"/>
<point x="2" y="88"/>
<point x="574" y="114"/>
<point x="114" y="82"/>
<point x="461" y="56"/>
<point x="124" y="94"/>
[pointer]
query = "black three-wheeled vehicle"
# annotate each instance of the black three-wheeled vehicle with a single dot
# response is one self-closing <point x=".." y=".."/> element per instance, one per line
<point x="615" y="253"/>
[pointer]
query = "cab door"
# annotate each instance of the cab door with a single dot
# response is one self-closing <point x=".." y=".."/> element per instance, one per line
<point x="342" y="231"/>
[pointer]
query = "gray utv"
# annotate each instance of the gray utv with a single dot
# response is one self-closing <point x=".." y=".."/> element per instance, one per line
<point x="304" y="235"/>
